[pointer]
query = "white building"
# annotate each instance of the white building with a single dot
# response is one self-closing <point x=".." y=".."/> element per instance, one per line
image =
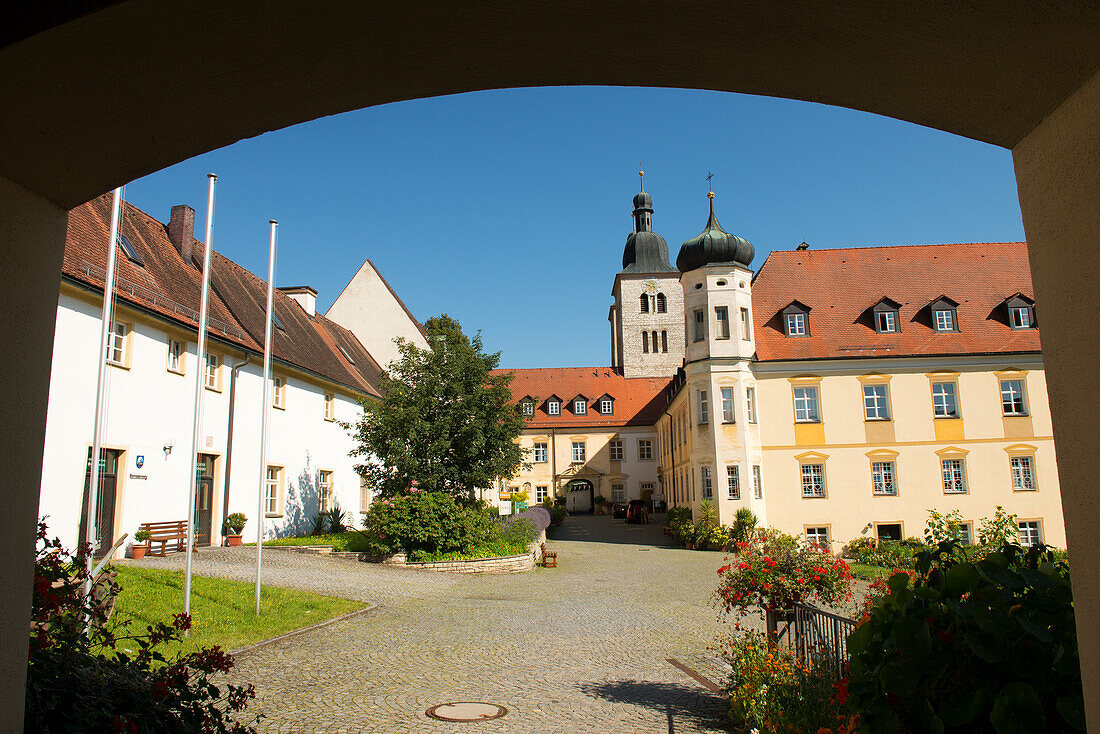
<point x="321" y="372"/>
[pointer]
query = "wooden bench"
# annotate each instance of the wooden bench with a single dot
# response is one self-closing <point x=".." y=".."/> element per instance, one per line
<point x="549" y="558"/>
<point x="165" y="533"/>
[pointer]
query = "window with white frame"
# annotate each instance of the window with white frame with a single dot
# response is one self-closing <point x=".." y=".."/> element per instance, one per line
<point x="606" y="405"/>
<point x="944" y="319"/>
<point x="645" y="449"/>
<point x="805" y="405"/>
<point x="618" y="493"/>
<point x="1012" y="397"/>
<point x="746" y="327"/>
<point x="708" y="488"/>
<point x="796" y="324"/>
<point x="578" y="451"/>
<point x="615" y="450"/>
<point x="1023" y="473"/>
<point x="646" y="487"/>
<point x="278" y="392"/>
<point x="330" y="407"/>
<point x="733" y="481"/>
<point x="272" y="491"/>
<point x="750" y="404"/>
<point x="553" y="407"/>
<point x="954" y="476"/>
<point x="213" y="372"/>
<point x="1021" y="317"/>
<point x="527" y="407"/>
<point x="722" y="314"/>
<point x="965" y="533"/>
<point x="117" y="338"/>
<point x="818" y="536"/>
<point x="944" y="402"/>
<point x="175" y="356"/>
<point x="324" y="489"/>
<point x="727" y="405"/>
<point x="886" y="322"/>
<point x="700" y="325"/>
<point x="540" y="494"/>
<point x="541" y="455"/>
<point x="813" y="480"/>
<point x="704" y="415"/>
<point x="884" y="478"/>
<point x="580" y="407"/>
<point x="1031" y="532"/>
<point x="875" y="403"/>
<point x="757" y="485"/>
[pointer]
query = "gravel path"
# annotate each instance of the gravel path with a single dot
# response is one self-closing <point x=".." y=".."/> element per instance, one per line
<point x="579" y="648"/>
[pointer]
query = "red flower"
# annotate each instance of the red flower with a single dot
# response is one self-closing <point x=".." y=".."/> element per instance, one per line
<point x="842" y="691"/>
<point x="946" y="637"/>
<point x="767" y="587"/>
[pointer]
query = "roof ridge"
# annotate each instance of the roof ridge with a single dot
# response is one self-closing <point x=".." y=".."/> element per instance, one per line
<point x="891" y="247"/>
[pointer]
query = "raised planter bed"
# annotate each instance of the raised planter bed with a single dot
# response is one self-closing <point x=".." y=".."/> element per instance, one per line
<point x="502" y="564"/>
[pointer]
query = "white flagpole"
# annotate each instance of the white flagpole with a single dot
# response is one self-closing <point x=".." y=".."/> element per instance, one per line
<point x="200" y="378"/>
<point x="101" y="387"/>
<point x="265" y="408"/>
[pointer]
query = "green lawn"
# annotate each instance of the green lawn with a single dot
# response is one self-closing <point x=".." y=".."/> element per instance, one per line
<point x="349" y="541"/>
<point x="223" y="612"/>
<point x="870" y="573"/>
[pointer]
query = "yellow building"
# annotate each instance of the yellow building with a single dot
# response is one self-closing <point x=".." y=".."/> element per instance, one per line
<point x="836" y="393"/>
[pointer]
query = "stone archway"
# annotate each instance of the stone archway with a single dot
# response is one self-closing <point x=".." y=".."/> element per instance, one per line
<point x="112" y="90"/>
<point x="579" y="496"/>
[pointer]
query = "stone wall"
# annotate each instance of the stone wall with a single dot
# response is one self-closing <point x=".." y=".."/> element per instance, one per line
<point x="634" y="361"/>
<point x="503" y="564"/>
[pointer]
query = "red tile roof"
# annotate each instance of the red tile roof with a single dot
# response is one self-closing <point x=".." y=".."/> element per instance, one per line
<point x="638" y="401"/>
<point x="167" y="286"/>
<point x="841" y="286"/>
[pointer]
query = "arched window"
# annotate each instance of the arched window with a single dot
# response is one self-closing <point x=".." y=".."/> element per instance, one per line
<point x="644" y="302"/>
<point x="655" y="342"/>
<point x="664" y="341"/>
<point x="645" y="342"/>
<point x="662" y="305"/>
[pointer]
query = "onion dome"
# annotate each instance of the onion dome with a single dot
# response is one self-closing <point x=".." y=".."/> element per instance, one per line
<point x="645" y="251"/>
<point x="714" y="246"/>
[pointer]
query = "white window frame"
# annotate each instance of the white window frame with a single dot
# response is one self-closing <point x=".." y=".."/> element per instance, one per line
<point x="618" y="493"/>
<point x="326" y="494"/>
<point x="606" y="406"/>
<point x="1022" y="469"/>
<point x="553" y="407"/>
<point x="876" y="402"/>
<point x="813" y="480"/>
<point x="645" y="449"/>
<point x="728" y="415"/>
<point x="818" y="535"/>
<point x="943" y="319"/>
<point x="953" y="471"/>
<point x="1012" y="396"/>
<point x="1025" y="529"/>
<point x="541" y="493"/>
<point x="1020" y="317"/>
<point x="722" y="315"/>
<point x="278" y="392"/>
<point x="177" y="352"/>
<point x="540" y="452"/>
<point x="118" y="342"/>
<point x="887" y="322"/>
<point x="708" y="486"/>
<point x="733" y="481"/>
<point x="211" y="375"/>
<point x="704" y="412"/>
<point x="750" y="404"/>
<point x="615" y="450"/>
<point x="966" y="533"/>
<point x="944" y="397"/>
<point x="884" y="478"/>
<point x="806" y="406"/>
<point x="330" y="407"/>
<point x="580" y="407"/>
<point x="796" y="324"/>
<point x="580" y="452"/>
<point x="273" y="486"/>
<point x="757" y="483"/>
<point x="527" y="408"/>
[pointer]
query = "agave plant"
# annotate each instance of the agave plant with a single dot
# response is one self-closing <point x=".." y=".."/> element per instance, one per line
<point x="337" y="519"/>
<point x="320" y="520"/>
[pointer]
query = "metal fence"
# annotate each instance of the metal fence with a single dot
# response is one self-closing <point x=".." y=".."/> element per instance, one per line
<point x="813" y="634"/>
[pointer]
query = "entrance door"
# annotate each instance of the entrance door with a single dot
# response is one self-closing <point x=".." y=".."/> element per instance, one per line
<point x="204" y="498"/>
<point x="105" y="506"/>
<point x="579" y="496"/>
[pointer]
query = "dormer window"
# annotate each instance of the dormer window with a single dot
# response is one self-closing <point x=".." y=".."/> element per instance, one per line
<point x="580" y="406"/>
<point x="606" y="405"/>
<point x="1021" y="312"/>
<point x="944" y="314"/>
<point x="885" y="315"/>
<point x="553" y="406"/>
<point x="796" y="320"/>
<point x="527" y="407"/>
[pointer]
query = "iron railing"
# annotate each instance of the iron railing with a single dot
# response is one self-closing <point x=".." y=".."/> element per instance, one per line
<point x="814" y="635"/>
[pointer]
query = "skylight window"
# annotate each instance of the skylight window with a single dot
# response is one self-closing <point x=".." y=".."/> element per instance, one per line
<point x="345" y="353"/>
<point x="131" y="252"/>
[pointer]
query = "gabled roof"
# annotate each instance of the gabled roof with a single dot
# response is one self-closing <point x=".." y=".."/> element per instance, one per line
<point x="639" y="401"/>
<point x="170" y="288"/>
<point x="842" y="282"/>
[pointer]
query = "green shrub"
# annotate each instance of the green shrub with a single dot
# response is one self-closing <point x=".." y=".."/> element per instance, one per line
<point x="683" y="531"/>
<point x="675" y="514"/>
<point x="744" y="526"/>
<point x="235" y="522"/>
<point x="557" y="511"/>
<point x="428" y="522"/>
<point x="970" y="646"/>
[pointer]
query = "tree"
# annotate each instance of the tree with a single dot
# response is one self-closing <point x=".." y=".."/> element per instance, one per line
<point x="446" y="420"/>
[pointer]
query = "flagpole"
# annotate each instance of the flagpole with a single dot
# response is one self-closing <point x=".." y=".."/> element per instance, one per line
<point x="101" y="388"/>
<point x="200" y="378"/>
<point x="265" y="407"/>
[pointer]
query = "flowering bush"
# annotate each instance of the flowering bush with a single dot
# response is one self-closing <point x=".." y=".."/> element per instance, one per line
<point x="771" y="691"/>
<point x="778" y="571"/>
<point x="80" y="680"/>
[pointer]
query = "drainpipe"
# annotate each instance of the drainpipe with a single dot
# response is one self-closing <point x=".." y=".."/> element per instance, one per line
<point x="554" y="461"/>
<point x="229" y="439"/>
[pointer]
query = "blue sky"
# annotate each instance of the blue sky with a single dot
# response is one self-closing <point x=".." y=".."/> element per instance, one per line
<point x="508" y="209"/>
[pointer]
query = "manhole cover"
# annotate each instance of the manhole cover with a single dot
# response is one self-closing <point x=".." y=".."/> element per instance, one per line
<point x="466" y="711"/>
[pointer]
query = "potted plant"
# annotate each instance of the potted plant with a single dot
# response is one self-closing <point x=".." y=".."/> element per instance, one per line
<point x="234" y="524"/>
<point x="138" y="549"/>
<point x="600" y="502"/>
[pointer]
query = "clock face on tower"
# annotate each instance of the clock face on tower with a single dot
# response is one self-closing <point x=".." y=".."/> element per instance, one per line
<point x="651" y="286"/>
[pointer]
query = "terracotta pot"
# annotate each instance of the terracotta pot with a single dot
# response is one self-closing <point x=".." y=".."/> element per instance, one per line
<point x="138" y="551"/>
<point x="689" y="546"/>
<point x="233" y="540"/>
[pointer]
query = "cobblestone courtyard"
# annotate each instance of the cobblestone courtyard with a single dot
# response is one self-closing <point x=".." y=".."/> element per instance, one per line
<point x="579" y="648"/>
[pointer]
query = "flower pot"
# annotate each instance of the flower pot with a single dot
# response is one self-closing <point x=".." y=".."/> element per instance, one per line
<point x="138" y="551"/>
<point x="233" y="540"/>
<point x="689" y="546"/>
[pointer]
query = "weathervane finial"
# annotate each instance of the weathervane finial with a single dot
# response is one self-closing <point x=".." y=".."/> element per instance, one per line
<point x="641" y="177"/>
<point x="710" y="192"/>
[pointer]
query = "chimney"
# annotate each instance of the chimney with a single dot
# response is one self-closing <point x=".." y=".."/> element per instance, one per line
<point x="305" y="296"/>
<point x="181" y="230"/>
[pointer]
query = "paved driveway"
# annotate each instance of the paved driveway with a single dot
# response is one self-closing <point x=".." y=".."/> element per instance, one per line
<point x="578" y="648"/>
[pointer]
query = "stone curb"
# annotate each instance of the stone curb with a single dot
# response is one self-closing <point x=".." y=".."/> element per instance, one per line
<point x="277" y="638"/>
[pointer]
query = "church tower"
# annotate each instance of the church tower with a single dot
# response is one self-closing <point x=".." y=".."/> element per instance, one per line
<point x="647" y="318"/>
